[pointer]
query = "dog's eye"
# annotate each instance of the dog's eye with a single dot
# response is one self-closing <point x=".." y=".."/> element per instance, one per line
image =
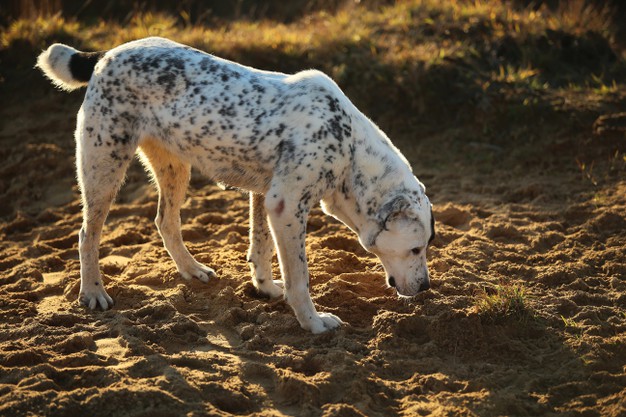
<point x="416" y="251"/>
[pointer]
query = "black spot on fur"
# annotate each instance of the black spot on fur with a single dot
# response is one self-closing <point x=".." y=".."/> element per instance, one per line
<point x="167" y="80"/>
<point x="83" y="63"/>
<point x="175" y="62"/>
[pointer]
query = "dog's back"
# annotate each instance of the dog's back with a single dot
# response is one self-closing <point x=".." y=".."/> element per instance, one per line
<point x="230" y="121"/>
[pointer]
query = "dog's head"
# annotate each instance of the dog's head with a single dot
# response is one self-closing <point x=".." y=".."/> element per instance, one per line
<point x="406" y="227"/>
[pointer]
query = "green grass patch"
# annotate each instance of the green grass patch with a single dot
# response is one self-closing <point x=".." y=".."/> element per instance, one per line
<point x="504" y="302"/>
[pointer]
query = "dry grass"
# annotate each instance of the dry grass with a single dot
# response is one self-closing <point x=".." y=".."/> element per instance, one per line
<point x="482" y="65"/>
<point x="424" y="31"/>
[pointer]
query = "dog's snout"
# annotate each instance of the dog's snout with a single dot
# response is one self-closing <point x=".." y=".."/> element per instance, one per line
<point x="424" y="286"/>
<point x="392" y="282"/>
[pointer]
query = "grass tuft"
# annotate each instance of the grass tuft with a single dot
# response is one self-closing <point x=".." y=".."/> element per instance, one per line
<point x="506" y="301"/>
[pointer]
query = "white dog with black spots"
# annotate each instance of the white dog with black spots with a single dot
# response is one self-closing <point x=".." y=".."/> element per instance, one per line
<point x="290" y="140"/>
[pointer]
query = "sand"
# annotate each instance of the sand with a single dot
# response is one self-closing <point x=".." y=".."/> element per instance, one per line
<point x="172" y="347"/>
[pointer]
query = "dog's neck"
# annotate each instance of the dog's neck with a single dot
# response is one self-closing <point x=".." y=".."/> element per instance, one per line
<point x="378" y="172"/>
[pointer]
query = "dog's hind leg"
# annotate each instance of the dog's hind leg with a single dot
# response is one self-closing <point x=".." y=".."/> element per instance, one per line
<point x="101" y="171"/>
<point x="260" y="252"/>
<point x="172" y="179"/>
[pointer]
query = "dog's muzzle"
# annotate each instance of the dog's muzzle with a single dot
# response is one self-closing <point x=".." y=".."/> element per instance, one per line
<point x="424" y="286"/>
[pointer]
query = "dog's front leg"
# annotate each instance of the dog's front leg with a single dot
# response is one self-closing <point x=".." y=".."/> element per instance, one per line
<point x="288" y="224"/>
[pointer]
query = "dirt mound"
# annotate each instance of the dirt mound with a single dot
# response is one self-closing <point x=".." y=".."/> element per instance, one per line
<point x="171" y="347"/>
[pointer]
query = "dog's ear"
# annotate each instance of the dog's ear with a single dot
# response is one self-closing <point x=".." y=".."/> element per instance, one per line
<point x="432" y="225"/>
<point x="399" y="205"/>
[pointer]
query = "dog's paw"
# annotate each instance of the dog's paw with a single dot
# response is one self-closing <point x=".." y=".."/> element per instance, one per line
<point x="94" y="297"/>
<point x="198" y="271"/>
<point x="271" y="289"/>
<point x="323" y="323"/>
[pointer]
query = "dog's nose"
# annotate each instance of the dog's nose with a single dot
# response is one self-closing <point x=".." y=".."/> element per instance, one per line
<point x="424" y="286"/>
<point x="392" y="282"/>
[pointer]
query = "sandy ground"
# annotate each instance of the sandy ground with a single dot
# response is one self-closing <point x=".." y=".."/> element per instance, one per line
<point x="172" y="348"/>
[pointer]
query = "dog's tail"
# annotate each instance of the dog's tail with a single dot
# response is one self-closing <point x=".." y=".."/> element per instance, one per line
<point x="67" y="67"/>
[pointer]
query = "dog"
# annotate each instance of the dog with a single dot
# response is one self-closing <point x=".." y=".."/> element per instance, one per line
<point x="291" y="141"/>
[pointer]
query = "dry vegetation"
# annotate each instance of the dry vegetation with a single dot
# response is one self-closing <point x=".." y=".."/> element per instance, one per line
<point x="493" y="103"/>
